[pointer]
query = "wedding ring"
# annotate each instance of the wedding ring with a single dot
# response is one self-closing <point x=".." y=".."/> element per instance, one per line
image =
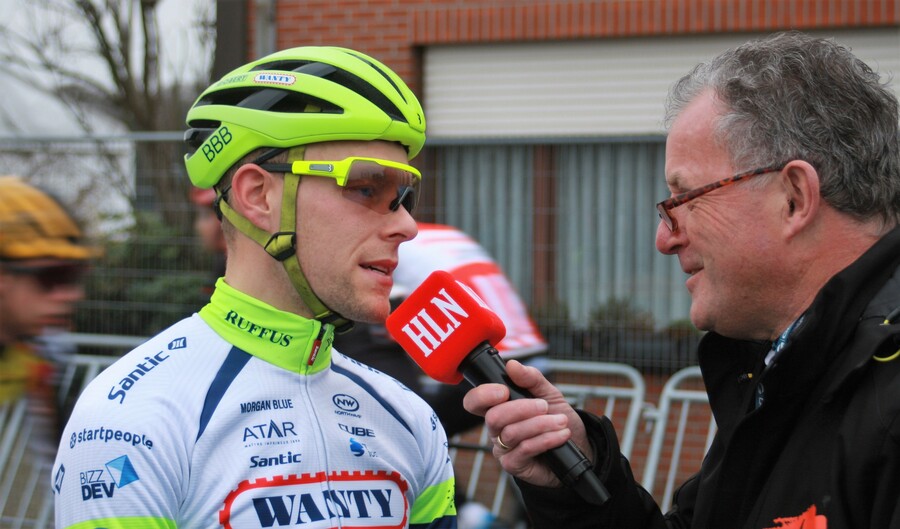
<point x="501" y="444"/>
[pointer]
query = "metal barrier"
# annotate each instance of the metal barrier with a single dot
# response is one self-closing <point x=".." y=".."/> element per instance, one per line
<point x="614" y="390"/>
<point x="623" y="382"/>
<point x="28" y="448"/>
<point x="24" y="471"/>
<point x="675" y="398"/>
<point x="27" y="451"/>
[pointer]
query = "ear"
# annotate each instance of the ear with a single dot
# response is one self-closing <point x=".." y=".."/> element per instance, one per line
<point x="255" y="194"/>
<point x="802" y="199"/>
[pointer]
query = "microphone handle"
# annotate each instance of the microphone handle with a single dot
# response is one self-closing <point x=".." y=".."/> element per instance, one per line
<point x="568" y="463"/>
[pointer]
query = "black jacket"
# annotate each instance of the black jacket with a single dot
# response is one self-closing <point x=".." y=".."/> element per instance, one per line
<point x="824" y="447"/>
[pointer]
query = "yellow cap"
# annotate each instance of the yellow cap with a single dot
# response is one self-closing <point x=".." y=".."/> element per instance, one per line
<point x="33" y="225"/>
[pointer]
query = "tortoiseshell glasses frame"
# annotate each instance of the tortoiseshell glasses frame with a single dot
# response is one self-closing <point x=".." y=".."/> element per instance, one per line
<point x="680" y="199"/>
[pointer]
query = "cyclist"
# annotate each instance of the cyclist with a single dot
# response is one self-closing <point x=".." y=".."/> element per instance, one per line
<point x="243" y="415"/>
<point x="43" y="258"/>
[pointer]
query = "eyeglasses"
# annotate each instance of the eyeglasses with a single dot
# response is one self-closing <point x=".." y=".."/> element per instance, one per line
<point x="380" y="185"/>
<point x="48" y="277"/>
<point x="680" y="199"/>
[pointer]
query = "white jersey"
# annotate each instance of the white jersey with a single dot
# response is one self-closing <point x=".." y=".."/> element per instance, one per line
<point x="439" y="247"/>
<point x="242" y="416"/>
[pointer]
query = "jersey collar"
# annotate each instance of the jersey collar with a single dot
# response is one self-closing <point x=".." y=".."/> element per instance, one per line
<point x="282" y="338"/>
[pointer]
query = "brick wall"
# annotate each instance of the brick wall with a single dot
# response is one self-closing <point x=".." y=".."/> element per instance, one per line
<point x="394" y="31"/>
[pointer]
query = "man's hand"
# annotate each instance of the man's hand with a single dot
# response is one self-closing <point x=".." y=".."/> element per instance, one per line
<point x="527" y="427"/>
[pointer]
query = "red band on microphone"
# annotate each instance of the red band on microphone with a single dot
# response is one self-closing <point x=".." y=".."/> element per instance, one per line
<point x="440" y="323"/>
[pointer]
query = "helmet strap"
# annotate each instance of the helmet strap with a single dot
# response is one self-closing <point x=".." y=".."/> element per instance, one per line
<point x="282" y="245"/>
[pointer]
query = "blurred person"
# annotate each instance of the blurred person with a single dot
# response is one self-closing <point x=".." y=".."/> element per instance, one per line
<point x="206" y="222"/>
<point x="43" y="258"/>
<point x="208" y="228"/>
<point x="442" y="247"/>
<point x="244" y="415"/>
<point x="793" y="267"/>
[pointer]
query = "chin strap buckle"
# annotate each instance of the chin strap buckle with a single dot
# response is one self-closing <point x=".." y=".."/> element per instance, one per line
<point x="281" y="245"/>
<point x="340" y="323"/>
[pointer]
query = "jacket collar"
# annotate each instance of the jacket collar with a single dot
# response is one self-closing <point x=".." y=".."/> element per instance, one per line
<point x="855" y="297"/>
<point x="289" y="341"/>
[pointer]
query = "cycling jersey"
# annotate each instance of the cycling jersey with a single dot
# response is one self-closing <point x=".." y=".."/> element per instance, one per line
<point x="439" y="247"/>
<point x="242" y="416"/>
<point x="20" y="368"/>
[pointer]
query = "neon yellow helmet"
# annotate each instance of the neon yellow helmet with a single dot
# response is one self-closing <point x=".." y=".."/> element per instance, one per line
<point x="296" y="97"/>
<point x="287" y="100"/>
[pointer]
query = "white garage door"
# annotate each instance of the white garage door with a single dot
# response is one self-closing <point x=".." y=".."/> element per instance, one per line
<point x="608" y="88"/>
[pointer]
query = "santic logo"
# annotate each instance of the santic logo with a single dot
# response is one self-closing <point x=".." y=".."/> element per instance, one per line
<point x="340" y="499"/>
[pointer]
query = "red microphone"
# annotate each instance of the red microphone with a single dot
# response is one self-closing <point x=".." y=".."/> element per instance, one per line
<point x="440" y="322"/>
<point x="450" y="333"/>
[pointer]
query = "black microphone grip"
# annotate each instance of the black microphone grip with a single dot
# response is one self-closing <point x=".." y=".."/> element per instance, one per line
<point x="568" y="463"/>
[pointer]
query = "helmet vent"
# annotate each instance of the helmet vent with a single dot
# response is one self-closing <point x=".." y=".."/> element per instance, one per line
<point x="269" y="99"/>
<point x="382" y="73"/>
<point x="344" y="78"/>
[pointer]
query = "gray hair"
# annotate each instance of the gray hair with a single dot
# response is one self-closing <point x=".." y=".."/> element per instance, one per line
<point x="795" y="97"/>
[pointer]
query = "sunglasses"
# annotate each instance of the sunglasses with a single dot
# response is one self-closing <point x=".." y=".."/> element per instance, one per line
<point x="49" y="277"/>
<point x="380" y="185"/>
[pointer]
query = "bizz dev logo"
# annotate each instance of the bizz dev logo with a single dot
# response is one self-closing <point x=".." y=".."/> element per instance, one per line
<point x="100" y="483"/>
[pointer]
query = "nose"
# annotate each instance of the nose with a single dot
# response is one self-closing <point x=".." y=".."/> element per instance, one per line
<point x="68" y="293"/>
<point x="667" y="241"/>
<point x="403" y="225"/>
